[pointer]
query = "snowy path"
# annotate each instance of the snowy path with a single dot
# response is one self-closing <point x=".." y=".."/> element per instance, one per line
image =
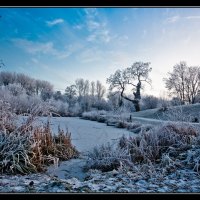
<point x="148" y="120"/>
<point x="85" y="135"/>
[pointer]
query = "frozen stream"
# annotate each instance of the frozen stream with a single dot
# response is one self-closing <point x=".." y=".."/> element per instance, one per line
<point x="85" y="135"/>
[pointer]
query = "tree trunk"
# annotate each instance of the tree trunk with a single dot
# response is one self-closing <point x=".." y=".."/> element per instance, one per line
<point x="135" y="101"/>
<point x="137" y="97"/>
<point x="137" y="106"/>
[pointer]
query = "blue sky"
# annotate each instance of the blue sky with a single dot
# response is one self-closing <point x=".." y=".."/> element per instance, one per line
<point x="62" y="44"/>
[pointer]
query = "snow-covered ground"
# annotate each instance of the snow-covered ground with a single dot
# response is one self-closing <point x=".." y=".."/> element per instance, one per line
<point x="180" y="181"/>
<point x="158" y="122"/>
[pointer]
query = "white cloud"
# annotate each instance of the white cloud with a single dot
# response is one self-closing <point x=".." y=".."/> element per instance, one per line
<point x="173" y="19"/>
<point x="121" y="40"/>
<point x="177" y="18"/>
<point x="91" y="37"/>
<point x="69" y="50"/>
<point x="97" y="27"/>
<point x="93" y="25"/>
<point x="91" y="12"/>
<point x="34" y="60"/>
<point x="54" y="22"/>
<point x="193" y="17"/>
<point x="78" y="26"/>
<point x="46" y="48"/>
<point x="90" y="55"/>
<point x="35" y="47"/>
<point x="100" y="35"/>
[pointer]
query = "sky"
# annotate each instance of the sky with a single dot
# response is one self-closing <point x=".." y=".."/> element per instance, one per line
<point x="62" y="44"/>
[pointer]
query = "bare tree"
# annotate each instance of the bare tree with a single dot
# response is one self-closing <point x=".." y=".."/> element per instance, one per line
<point x="192" y="83"/>
<point x="100" y="90"/>
<point x="92" y="90"/>
<point x="58" y="95"/>
<point x="115" y="99"/>
<point x="132" y="76"/>
<point x="70" y="93"/>
<point x="80" y="86"/>
<point x="176" y="81"/>
<point x="86" y="87"/>
<point x="47" y="90"/>
<point x="38" y="86"/>
<point x="15" y="89"/>
<point x="183" y="82"/>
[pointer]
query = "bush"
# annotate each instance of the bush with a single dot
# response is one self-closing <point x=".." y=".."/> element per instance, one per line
<point x="106" y="158"/>
<point x="95" y="115"/>
<point x="149" y="146"/>
<point x="25" y="151"/>
<point x="29" y="148"/>
<point x="7" y="117"/>
<point x="121" y="124"/>
<point x="155" y="149"/>
<point x="59" y="107"/>
<point x="149" y="102"/>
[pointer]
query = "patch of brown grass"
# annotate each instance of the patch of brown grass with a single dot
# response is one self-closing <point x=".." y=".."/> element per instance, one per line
<point x="31" y="148"/>
<point x="48" y="148"/>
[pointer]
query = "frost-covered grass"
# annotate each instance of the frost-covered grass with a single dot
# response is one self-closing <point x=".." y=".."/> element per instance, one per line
<point x="28" y="148"/>
<point x="99" y="116"/>
<point x="149" y="146"/>
<point x="107" y="159"/>
<point x="165" y="147"/>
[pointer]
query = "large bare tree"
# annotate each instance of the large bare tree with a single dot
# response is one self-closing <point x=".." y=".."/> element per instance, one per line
<point x="183" y="82"/>
<point x="134" y="77"/>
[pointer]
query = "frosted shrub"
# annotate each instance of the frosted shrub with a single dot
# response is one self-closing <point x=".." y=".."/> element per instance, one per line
<point x="149" y="102"/>
<point x="16" y="89"/>
<point x="7" y="117"/>
<point x="99" y="116"/>
<point x="76" y="109"/>
<point x="60" y="108"/>
<point x="29" y="148"/>
<point x="149" y="146"/>
<point x="107" y="158"/>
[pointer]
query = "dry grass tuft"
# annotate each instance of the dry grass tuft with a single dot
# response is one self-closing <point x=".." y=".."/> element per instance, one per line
<point x="157" y="150"/>
<point x="106" y="158"/>
<point x="149" y="146"/>
<point x="29" y="148"/>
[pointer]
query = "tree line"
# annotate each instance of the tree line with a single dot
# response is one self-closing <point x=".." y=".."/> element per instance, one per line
<point x="22" y="91"/>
